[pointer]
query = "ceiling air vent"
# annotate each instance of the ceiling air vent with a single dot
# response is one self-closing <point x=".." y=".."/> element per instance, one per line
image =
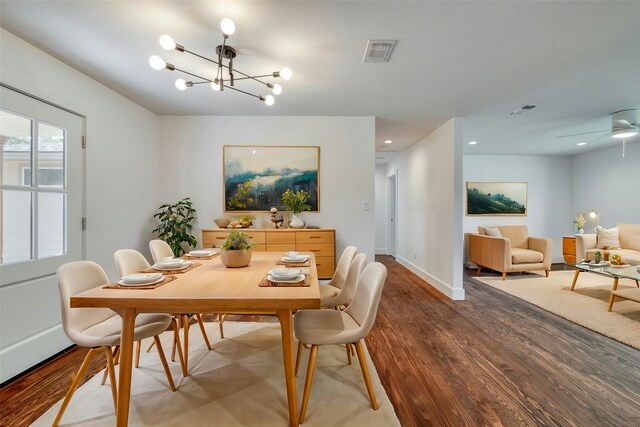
<point x="379" y="50"/>
<point x="522" y="109"/>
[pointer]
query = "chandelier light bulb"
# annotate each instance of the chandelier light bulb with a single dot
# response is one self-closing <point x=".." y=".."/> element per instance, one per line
<point x="167" y="42"/>
<point x="181" y="84"/>
<point x="227" y="26"/>
<point x="269" y="100"/>
<point x="215" y="85"/>
<point x="157" y="63"/>
<point x="286" y="73"/>
<point x="277" y="89"/>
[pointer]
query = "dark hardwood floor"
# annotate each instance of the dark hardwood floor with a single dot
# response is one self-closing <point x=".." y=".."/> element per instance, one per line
<point x="489" y="360"/>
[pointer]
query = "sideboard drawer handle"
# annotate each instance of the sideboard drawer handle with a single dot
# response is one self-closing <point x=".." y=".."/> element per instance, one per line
<point x="315" y="237"/>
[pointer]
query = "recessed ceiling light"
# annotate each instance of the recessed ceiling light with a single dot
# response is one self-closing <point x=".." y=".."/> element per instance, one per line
<point x="581" y="143"/>
<point x="388" y="141"/>
<point x="473" y="142"/>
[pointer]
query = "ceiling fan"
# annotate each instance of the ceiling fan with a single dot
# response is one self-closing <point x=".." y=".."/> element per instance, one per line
<point x="624" y="124"/>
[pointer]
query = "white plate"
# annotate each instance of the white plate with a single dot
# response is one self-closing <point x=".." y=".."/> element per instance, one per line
<point x="165" y="267"/>
<point x="297" y="279"/>
<point x="286" y="276"/>
<point x="148" y="282"/>
<point x="201" y="253"/>
<point x="140" y="277"/>
<point x="301" y="258"/>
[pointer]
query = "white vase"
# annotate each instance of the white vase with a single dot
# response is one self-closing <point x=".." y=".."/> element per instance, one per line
<point x="581" y="231"/>
<point x="296" y="222"/>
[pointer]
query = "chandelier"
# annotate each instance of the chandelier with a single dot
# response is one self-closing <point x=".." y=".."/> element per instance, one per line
<point x="225" y="77"/>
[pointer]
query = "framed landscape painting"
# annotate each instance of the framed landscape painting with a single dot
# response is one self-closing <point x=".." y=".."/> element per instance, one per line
<point x="255" y="177"/>
<point x="497" y="198"/>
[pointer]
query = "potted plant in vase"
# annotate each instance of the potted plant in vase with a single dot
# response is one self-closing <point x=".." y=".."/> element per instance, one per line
<point x="296" y="203"/>
<point x="236" y="250"/>
<point x="176" y="222"/>
<point x="579" y="222"/>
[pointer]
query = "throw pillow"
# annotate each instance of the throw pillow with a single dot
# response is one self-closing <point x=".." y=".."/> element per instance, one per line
<point x="608" y="238"/>
<point x="492" y="231"/>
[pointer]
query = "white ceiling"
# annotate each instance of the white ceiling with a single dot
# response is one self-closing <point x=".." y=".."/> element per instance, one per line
<point x="578" y="61"/>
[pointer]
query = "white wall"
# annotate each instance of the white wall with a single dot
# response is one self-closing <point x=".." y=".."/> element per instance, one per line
<point x="122" y="171"/>
<point x="609" y="183"/>
<point x="548" y="199"/>
<point x="192" y="145"/>
<point x="428" y="212"/>
<point x="381" y="209"/>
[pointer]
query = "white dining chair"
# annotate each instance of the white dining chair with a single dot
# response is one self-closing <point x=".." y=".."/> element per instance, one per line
<point x="130" y="261"/>
<point x="100" y="328"/>
<point x="332" y="287"/>
<point x="321" y="327"/>
<point x="345" y="294"/>
<point x="160" y="249"/>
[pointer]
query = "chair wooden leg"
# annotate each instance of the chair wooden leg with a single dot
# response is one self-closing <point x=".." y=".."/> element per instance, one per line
<point x="479" y="270"/>
<point x="204" y="333"/>
<point x="348" y="348"/>
<point x="151" y="346"/>
<point x="637" y="284"/>
<point x="112" y="376"/>
<point x="165" y="365"/>
<point x="114" y="354"/>
<point x="178" y="345"/>
<point x="365" y="374"/>
<point x="546" y="272"/>
<point x="307" y="384"/>
<point x="76" y="382"/>
<point x="504" y="275"/>
<point x="185" y="340"/>
<point x="353" y="349"/>
<point x="221" y="324"/>
<point x="298" y="357"/>
<point x="138" y="345"/>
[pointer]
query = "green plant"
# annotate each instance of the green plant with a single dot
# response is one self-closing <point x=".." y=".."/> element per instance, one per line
<point x="176" y="224"/>
<point x="296" y="202"/>
<point x="237" y="240"/>
<point x="247" y="218"/>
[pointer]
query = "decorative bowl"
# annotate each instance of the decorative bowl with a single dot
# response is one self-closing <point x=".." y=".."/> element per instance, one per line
<point x="222" y="222"/>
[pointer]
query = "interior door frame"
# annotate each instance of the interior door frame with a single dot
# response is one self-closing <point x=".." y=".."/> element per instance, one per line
<point x="392" y="213"/>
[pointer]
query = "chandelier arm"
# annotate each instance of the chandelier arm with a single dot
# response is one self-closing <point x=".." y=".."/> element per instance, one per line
<point x="211" y="81"/>
<point x="220" y="64"/>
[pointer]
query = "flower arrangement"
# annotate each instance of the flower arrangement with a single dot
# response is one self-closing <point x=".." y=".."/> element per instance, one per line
<point x="296" y="202"/>
<point x="579" y="221"/>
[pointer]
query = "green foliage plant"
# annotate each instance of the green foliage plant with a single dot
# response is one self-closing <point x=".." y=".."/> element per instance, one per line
<point x="296" y="202"/>
<point x="237" y="241"/>
<point x="176" y="222"/>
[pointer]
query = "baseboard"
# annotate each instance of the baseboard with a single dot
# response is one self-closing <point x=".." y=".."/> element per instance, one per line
<point x="557" y="260"/>
<point x="381" y="251"/>
<point x="24" y="354"/>
<point x="454" y="294"/>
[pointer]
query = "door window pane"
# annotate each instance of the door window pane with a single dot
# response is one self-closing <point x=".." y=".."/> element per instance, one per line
<point x="15" y="135"/>
<point x="51" y="213"/>
<point x="50" y="156"/>
<point x="16" y="225"/>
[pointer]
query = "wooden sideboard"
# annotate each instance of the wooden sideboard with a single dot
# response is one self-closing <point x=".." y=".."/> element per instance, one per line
<point x="322" y="242"/>
<point x="569" y="249"/>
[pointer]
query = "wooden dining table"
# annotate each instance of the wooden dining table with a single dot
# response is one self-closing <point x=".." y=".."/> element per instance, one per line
<point x="209" y="288"/>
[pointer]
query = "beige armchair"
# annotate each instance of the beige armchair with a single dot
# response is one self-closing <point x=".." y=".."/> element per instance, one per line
<point x="509" y="250"/>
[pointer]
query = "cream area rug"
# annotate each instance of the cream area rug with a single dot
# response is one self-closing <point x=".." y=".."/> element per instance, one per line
<point x="238" y="383"/>
<point x="586" y="305"/>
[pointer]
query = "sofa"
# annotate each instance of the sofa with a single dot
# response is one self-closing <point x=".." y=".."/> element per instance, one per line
<point x="510" y="249"/>
<point x="628" y="237"/>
